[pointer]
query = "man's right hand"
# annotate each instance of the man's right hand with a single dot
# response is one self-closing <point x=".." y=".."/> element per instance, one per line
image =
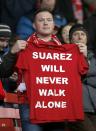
<point x="18" y="46"/>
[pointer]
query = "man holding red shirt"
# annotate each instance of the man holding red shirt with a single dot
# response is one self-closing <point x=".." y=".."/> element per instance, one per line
<point x="47" y="44"/>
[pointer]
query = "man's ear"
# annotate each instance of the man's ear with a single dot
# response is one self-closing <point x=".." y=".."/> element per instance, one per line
<point x="34" y="26"/>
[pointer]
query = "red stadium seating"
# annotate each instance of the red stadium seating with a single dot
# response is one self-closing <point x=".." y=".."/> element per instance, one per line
<point x="9" y="115"/>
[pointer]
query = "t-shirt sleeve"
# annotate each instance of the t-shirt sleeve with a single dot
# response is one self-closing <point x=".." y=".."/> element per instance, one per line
<point x="22" y="61"/>
<point x="82" y="64"/>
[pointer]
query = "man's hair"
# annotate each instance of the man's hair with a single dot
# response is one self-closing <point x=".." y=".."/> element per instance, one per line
<point x="39" y="11"/>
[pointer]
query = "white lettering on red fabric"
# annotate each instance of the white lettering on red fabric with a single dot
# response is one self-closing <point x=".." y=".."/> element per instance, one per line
<point x="51" y="104"/>
<point x="54" y="56"/>
<point x="50" y="92"/>
<point x="50" y="80"/>
<point x="52" y="68"/>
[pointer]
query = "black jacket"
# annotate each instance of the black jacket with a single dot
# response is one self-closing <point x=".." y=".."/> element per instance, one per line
<point x="7" y="65"/>
<point x="90" y="25"/>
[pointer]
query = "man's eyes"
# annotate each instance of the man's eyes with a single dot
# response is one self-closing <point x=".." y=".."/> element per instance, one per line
<point x="46" y="20"/>
<point x="49" y="19"/>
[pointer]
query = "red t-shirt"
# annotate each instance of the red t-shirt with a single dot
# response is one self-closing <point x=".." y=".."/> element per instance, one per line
<point x="52" y="74"/>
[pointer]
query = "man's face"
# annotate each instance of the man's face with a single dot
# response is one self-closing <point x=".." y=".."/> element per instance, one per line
<point x="44" y="23"/>
<point x="4" y="42"/>
<point x="48" y="4"/>
<point x="79" y="37"/>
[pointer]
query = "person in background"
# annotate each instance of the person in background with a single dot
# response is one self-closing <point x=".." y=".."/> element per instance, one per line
<point x="9" y="84"/>
<point x="7" y="61"/>
<point x="90" y="26"/>
<point x="63" y="33"/>
<point x="79" y="36"/>
<point x="8" y="54"/>
<point x="11" y="11"/>
<point x="5" y="36"/>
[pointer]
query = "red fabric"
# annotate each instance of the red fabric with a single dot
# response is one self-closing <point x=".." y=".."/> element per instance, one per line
<point x="38" y="42"/>
<point x="91" y="8"/>
<point x="22" y="96"/>
<point x="78" y="10"/>
<point x="72" y="94"/>
<point x="2" y="92"/>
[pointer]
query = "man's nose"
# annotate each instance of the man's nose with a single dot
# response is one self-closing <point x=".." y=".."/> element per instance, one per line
<point x="45" y="22"/>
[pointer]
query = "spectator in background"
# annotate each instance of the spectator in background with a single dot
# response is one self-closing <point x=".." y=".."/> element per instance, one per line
<point x="25" y="25"/>
<point x="90" y="6"/>
<point x="75" y="10"/>
<point x="5" y="36"/>
<point x="9" y="60"/>
<point x="90" y="25"/>
<point x="79" y="36"/>
<point x="10" y="83"/>
<point x="78" y="10"/>
<point x="63" y="33"/>
<point x="12" y="10"/>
